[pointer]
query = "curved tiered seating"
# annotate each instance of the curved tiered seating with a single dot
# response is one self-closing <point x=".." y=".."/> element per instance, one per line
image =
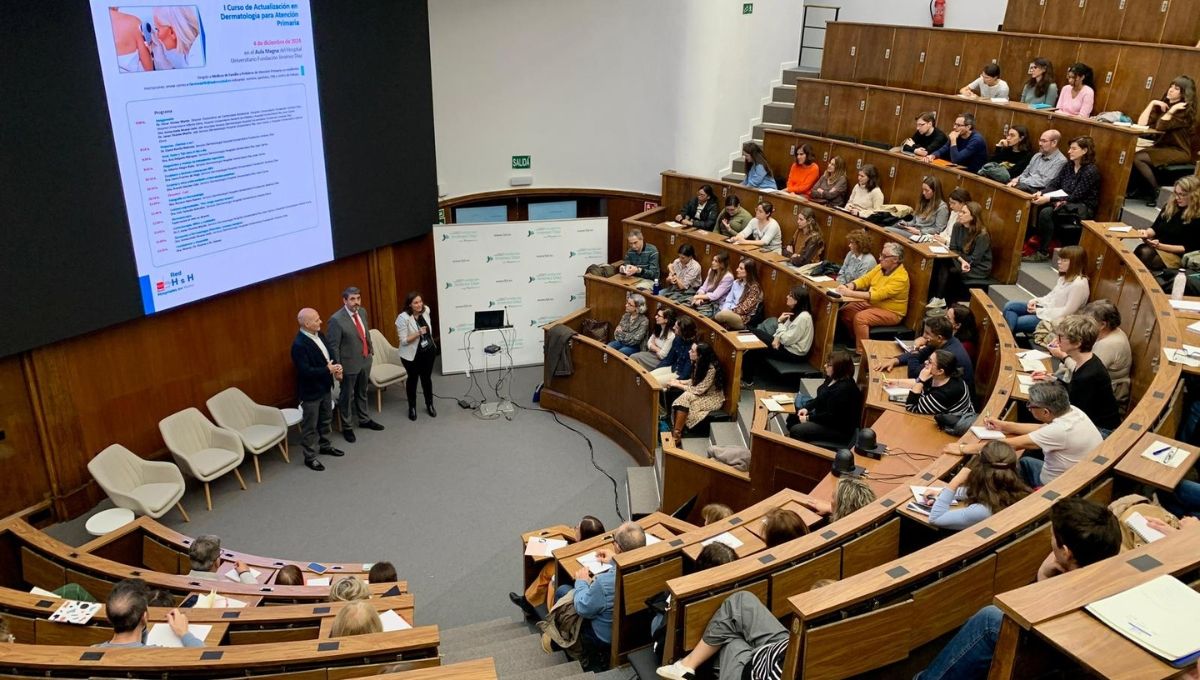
<point x="1170" y="23"/>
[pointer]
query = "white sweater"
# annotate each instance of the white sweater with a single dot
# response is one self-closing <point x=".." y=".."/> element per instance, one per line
<point x="1064" y="299"/>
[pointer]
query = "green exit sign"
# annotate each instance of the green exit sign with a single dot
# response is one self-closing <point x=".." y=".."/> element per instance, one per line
<point x="748" y="8"/>
<point x="521" y="163"/>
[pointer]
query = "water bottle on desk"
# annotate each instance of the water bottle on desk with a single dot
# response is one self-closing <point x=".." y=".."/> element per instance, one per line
<point x="1180" y="284"/>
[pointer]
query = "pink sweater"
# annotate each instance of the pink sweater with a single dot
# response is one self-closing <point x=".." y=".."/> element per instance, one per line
<point x="1081" y="106"/>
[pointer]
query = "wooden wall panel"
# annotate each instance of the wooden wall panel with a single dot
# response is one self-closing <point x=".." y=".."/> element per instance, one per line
<point x="24" y="482"/>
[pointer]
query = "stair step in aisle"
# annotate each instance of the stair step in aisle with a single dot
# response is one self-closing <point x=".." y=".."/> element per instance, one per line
<point x="784" y="94"/>
<point x="469" y="631"/>
<point x="790" y="75"/>
<point x="696" y="445"/>
<point x="727" y="434"/>
<point x="1037" y="277"/>
<point x="641" y="485"/>
<point x="513" y="657"/>
<point x="1004" y="293"/>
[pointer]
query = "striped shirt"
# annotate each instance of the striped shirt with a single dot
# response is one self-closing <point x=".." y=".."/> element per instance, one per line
<point x="952" y="397"/>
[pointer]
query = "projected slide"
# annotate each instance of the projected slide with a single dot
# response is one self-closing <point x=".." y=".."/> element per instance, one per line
<point x="217" y="129"/>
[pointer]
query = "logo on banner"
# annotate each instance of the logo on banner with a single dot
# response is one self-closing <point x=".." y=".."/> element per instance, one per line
<point x="461" y="327"/>
<point x="591" y="253"/>
<point x="547" y="231"/>
<point x="542" y="320"/>
<point x="464" y="284"/>
<point x="506" y="257"/>
<point x="511" y="302"/>
<point x="460" y="235"/>
<point x="546" y="278"/>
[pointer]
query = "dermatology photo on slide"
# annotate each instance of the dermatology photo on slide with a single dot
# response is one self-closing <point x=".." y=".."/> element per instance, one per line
<point x="157" y="38"/>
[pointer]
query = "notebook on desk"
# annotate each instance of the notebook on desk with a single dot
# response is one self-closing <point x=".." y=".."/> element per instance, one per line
<point x="1159" y="616"/>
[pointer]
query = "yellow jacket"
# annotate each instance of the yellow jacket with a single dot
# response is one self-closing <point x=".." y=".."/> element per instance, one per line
<point x="888" y="291"/>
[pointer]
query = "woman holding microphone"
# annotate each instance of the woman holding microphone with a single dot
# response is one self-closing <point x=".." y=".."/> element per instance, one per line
<point x="417" y="351"/>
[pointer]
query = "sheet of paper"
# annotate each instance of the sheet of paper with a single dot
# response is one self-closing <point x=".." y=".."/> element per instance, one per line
<point x="1164" y="453"/>
<point x="1186" y="305"/>
<point x="651" y="539"/>
<point x="1031" y="365"/>
<point x="367" y="566"/>
<point x="1035" y="354"/>
<point x="1159" y="615"/>
<point x="674" y="224"/>
<point x="161" y="635"/>
<point x="772" y="405"/>
<point x="232" y="574"/>
<point x="318" y="581"/>
<point x="1181" y="357"/>
<point x="783" y="398"/>
<point x="939" y="250"/>
<point x="393" y="621"/>
<point x="1194" y="327"/>
<point x="819" y="279"/>
<point x="593" y="565"/>
<point x="1025" y="379"/>
<point x="897" y="393"/>
<point x="222" y="602"/>
<point x="986" y="434"/>
<point x="1123" y="229"/>
<point x="726" y="538"/>
<point x="1138" y="524"/>
<point x="1058" y="193"/>
<point x="747" y="337"/>
<point x="206" y="601"/>
<point x="44" y="593"/>
<point x="539" y="546"/>
<point x="1023" y="389"/>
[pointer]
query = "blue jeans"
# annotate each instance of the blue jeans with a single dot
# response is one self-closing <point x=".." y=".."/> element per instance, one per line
<point x="1191" y="420"/>
<point x="1185" y="500"/>
<point x="1030" y="470"/>
<point x="1019" y="319"/>
<point x="968" y="655"/>
<point x="627" y="350"/>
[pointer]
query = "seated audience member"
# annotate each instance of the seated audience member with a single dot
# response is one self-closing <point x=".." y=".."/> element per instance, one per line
<point x="356" y="618"/>
<point x="927" y="139"/>
<point x="535" y="594"/>
<point x="858" y="260"/>
<point x="711" y="294"/>
<point x="1043" y="166"/>
<point x="830" y="189"/>
<point x="6" y="635"/>
<point x="205" y="555"/>
<point x="988" y="482"/>
<point x="683" y="275"/>
<point x="962" y="319"/>
<point x="677" y="362"/>
<point x="631" y="330"/>
<point x="781" y="526"/>
<point x="807" y="245"/>
<point x="879" y="298"/>
<point x="703" y="392"/>
<point x="1175" y="117"/>
<point x="712" y="555"/>
<point x="701" y="211"/>
<point x="938" y="334"/>
<point x="714" y="512"/>
<point x="1069" y="293"/>
<point x="1012" y="152"/>
<point x="1080" y="179"/>
<point x="744" y="298"/>
<point x="1175" y="231"/>
<point x="157" y="597"/>
<point x="972" y="243"/>
<point x="787" y="337"/>
<point x="957" y="199"/>
<point x="1184" y="501"/>
<point x="126" y="611"/>
<point x="733" y="218"/>
<point x="1063" y="433"/>
<point x="938" y="388"/>
<point x="832" y="416"/>
<point x="1081" y="533"/>
<point x="763" y="230"/>
<point x="641" y="260"/>
<point x="849" y="495"/>
<point x="966" y="146"/>
<point x="1088" y="384"/>
<point x="289" y="575"/>
<point x="382" y="572"/>
<point x="348" y="589"/>
<point x="1041" y="88"/>
<point x="1112" y="347"/>
<point x="660" y="339"/>
<point x="866" y="197"/>
<point x="804" y="172"/>
<point x="929" y="214"/>
<point x="987" y="86"/>
<point x="594" y="596"/>
<point x="1077" y="97"/>
<point x="758" y="170"/>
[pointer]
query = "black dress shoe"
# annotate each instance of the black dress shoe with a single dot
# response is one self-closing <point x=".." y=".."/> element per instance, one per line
<point x="431" y="410"/>
<point x="349" y="435"/>
<point x="371" y="425"/>
<point x="412" y="412"/>
<point x="314" y="465"/>
<point x="336" y="453"/>
<point x="520" y="601"/>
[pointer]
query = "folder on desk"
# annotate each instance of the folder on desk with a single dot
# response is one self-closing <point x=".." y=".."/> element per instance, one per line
<point x="897" y="393"/>
<point x="1159" y="615"/>
<point x="986" y="434"/>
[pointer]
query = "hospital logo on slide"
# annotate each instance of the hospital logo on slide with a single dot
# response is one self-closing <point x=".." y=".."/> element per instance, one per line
<point x="174" y="282"/>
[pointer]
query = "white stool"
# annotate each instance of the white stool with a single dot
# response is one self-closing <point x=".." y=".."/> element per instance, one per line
<point x="107" y="521"/>
<point x="291" y="416"/>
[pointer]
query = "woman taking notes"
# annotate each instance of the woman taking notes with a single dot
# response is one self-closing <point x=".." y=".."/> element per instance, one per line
<point x="417" y="351"/>
<point x="987" y="484"/>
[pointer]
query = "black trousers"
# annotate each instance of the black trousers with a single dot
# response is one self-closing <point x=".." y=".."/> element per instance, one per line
<point x="752" y="361"/>
<point x="1049" y="220"/>
<point x="420" y="368"/>
<point x="316" y="417"/>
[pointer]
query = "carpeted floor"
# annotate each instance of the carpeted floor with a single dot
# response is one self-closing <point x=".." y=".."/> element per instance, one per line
<point x="445" y="499"/>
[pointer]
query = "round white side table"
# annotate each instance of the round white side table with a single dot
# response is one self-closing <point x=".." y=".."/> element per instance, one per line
<point x="107" y="521"/>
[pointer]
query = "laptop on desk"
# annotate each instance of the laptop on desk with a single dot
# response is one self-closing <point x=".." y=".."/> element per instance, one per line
<point x="489" y="320"/>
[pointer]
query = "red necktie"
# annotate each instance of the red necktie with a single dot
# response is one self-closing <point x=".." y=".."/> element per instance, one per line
<point x="362" y="335"/>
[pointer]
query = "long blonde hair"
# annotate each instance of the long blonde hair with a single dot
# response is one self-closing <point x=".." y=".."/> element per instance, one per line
<point x="1190" y="186"/>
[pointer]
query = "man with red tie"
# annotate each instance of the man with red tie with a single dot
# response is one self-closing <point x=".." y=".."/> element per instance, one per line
<point x="352" y="349"/>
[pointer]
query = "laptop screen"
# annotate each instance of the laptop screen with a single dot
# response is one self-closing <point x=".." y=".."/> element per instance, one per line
<point x="489" y="319"/>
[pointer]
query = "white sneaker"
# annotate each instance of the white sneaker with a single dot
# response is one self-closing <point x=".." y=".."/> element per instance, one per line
<point x="676" y="671"/>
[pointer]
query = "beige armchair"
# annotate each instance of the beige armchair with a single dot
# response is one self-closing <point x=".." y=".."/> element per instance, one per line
<point x="144" y="486"/>
<point x="386" y="369"/>
<point x="202" y="449"/>
<point x="260" y="427"/>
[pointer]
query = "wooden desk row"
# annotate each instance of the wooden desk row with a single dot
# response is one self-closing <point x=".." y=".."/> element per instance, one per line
<point x="1146" y="21"/>
<point x="1128" y="75"/>
<point x="878" y="115"/>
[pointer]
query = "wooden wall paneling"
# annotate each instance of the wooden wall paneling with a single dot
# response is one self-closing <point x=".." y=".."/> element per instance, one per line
<point x="1182" y="26"/>
<point x="1063" y="17"/>
<point x="412" y="269"/>
<point x="990" y="121"/>
<point x="882" y="119"/>
<point x="1134" y="83"/>
<point x="1024" y="16"/>
<point x="951" y="600"/>
<point x="811" y="111"/>
<point x="989" y="343"/>
<point x="907" y="63"/>
<point x="874" y="54"/>
<point x="1142" y="342"/>
<point x="619" y="208"/>
<point x="841" y="51"/>
<point x="1142" y="20"/>
<point x="1007" y="218"/>
<point x="1015" y="55"/>
<point x="25" y="481"/>
<point x="1103" y="19"/>
<point x="850" y="104"/>
<point x="887" y="628"/>
<point x="979" y="49"/>
<point x="387" y="296"/>
<point x="906" y="187"/>
<point x="943" y="62"/>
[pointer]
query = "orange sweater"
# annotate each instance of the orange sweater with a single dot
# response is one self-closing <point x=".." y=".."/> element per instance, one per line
<point x="801" y="178"/>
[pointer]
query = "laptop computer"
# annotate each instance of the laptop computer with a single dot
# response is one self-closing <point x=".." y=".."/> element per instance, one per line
<point x="491" y="319"/>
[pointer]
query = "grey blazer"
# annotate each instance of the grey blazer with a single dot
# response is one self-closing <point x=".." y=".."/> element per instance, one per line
<point x="343" y="340"/>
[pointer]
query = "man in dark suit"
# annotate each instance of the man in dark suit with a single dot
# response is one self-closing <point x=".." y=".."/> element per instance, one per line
<point x="315" y="373"/>
<point x="351" y="347"/>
